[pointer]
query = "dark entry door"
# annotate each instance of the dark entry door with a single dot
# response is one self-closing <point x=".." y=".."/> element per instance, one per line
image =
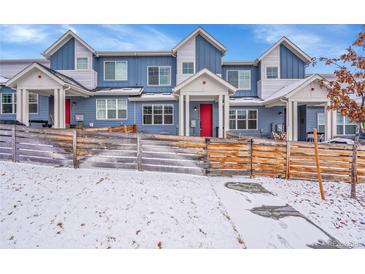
<point x="206" y="119"/>
<point x="68" y="111"/>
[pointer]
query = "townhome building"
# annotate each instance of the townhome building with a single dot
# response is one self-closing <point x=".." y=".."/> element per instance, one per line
<point x="190" y="90"/>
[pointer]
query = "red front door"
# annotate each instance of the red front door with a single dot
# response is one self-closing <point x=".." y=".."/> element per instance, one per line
<point x="206" y="117"/>
<point x="68" y="111"/>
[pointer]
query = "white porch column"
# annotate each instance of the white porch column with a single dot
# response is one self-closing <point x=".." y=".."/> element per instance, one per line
<point x="220" y="116"/>
<point x="187" y="113"/>
<point x="19" y="105"/>
<point x="181" y="115"/>
<point x="25" y="107"/>
<point x="334" y="123"/>
<point x="56" y="106"/>
<point x="327" y="123"/>
<point x="62" y="109"/>
<point x="295" y="121"/>
<point x="226" y="114"/>
<point x="289" y="120"/>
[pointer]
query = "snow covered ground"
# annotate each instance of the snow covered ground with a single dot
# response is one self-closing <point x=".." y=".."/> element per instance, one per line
<point x="45" y="207"/>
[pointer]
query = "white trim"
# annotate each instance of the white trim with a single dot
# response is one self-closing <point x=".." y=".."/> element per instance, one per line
<point x="115" y="61"/>
<point x="88" y="63"/>
<point x="187" y="81"/>
<point x="63" y="40"/>
<point x="324" y="120"/>
<point x="163" y="115"/>
<point x="106" y="109"/>
<point x="13" y="103"/>
<point x="238" y="78"/>
<point x="272" y="66"/>
<point x="37" y="95"/>
<point x="343" y="125"/>
<point x="206" y="35"/>
<point x="247" y="110"/>
<point x="159" y="67"/>
<point x="297" y="51"/>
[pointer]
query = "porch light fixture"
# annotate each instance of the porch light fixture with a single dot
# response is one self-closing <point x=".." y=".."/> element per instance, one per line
<point x="195" y="109"/>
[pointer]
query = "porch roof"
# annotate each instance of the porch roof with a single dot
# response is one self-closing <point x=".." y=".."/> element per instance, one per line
<point x="154" y="97"/>
<point x="118" y="91"/>
<point x="55" y="75"/>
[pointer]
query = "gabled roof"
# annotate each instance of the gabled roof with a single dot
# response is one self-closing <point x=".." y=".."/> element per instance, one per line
<point x="206" y="35"/>
<point x="202" y="72"/>
<point x="55" y="75"/>
<point x="290" y="45"/>
<point x="63" y="40"/>
<point x="289" y="90"/>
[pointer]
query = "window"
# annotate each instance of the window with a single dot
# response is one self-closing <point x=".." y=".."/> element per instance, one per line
<point x="241" y="79"/>
<point x="320" y="122"/>
<point x="82" y="63"/>
<point x="116" y="70"/>
<point x="159" y="76"/>
<point x="111" y="109"/>
<point x="188" y="68"/>
<point x="8" y="103"/>
<point x="243" y="119"/>
<point x="272" y="72"/>
<point x="158" y="114"/>
<point x="344" y="126"/>
<point x="33" y="103"/>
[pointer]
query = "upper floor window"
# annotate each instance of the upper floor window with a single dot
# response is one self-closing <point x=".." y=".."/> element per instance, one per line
<point x="116" y="70"/>
<point x="82" y="63"/>
<point x="111" y="109"/>
<point x="272" y="72"/>
<point x="241" y="79"/>
<point x="188" y="68"/>
<point x="8" y="103"/>
<point x="243" y="119"/>
<point x="158" y="114"/>
<point x="159" y="76"/>
<point x="344" y="126"/>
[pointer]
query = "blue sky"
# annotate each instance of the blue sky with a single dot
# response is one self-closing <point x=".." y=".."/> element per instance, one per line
<point x="243" y="42"/>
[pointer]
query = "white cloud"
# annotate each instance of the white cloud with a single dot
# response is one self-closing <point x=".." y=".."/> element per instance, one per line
<point x="23" y="33"/>
<point x="313" y="41"/>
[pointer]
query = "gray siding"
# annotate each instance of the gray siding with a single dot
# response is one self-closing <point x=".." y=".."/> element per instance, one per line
<point x="137" y="72"/>
<point x="207" y="56"/>
<point x="291" y="67"/>
<point x="254" y="78"/>
<point x="64" y="58"/>
<point x="312" y="117"/>
<point x="266" y="117"/>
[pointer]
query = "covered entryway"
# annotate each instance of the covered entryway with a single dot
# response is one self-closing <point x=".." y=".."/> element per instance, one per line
<point x="209" y="89"/>
<point x="44" y="81"/>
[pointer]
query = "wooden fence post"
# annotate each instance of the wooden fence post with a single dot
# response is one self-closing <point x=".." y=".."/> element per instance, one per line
<point x="13" y="133"/>
<point x="74" y="148"/>
<point x="251" y="160"/>
<point x="354" y="178"/>
<point x="207" y="160"/>
<point x="287" y="175"/>
<point x="139" y="152"/>
<point x="317" y="163"/>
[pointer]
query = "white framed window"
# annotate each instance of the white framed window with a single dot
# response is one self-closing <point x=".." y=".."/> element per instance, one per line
<point x="159" y="75"/>
<point x="115" y="70"/>
<point x="243" y="119"/>
<point x="188" y="68"/>
<point x="158" y="114"/>
<point x="344" y="126"/>
<point x="8" y="103"/>
<point x="33" y="103"/>
<point x="320" y="122"/>
<point x="82" y="63"/>
<point x="241" y="79"/>
<point x="272" y="72"/>
<point x="111" y="109"/>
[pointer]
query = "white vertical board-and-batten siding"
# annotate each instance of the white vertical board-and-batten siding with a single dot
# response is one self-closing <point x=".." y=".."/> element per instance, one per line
<point x="87" y="78"/>
<point x="185" y="54"/>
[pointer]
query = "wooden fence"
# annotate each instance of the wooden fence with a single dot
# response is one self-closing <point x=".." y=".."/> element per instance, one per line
<point x="193" y="155"/>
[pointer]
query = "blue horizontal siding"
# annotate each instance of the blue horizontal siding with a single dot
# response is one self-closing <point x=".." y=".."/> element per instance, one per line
<point x="207" y="56"/>
<point x="266" y="117"/>
<point x="291" y="66"/>
<point x="254" y="78"/>
<point x="311" y="117"/>
<point x="137" y="72"/>
<point x="64" y="58"/>
<point x="43" y="107"/>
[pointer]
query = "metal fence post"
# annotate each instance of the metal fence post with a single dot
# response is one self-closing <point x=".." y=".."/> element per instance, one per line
<point x="13" y="133"/>
<point x="251" y="160"/>
<point x="139" y="152"/>
<point x="74" y="148"/>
